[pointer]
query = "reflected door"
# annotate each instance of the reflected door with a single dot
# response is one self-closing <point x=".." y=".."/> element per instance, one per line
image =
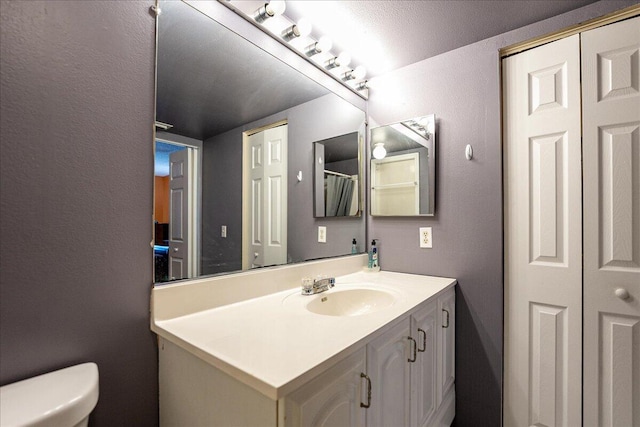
<point x="179" y="215"/>
<point x="268" y="197"/>
<point x="395" y="185"/>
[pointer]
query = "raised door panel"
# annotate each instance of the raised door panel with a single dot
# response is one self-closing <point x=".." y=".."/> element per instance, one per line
<point x="543" y="236"/>
<point x="611" y="157"/>
<point x="446" y="344"/>
<point x="333" y="399"/>
<point x="275" y="196"/>
<point x="424" y="370"/>
<point x="388" y="367"/>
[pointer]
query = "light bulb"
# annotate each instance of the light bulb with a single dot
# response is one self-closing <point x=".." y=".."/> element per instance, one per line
<point x="324" y="44"/>
<point x="343" y="59"/>
<point x="304" y="27"/>
<point x="276" y="7"/>
<point x="379" y="152"/>
<point x="359" y="72"/>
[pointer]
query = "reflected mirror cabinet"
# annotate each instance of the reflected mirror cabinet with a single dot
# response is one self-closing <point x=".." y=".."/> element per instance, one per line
<point x="403" y="168"/>
<point x="236" y="135"/>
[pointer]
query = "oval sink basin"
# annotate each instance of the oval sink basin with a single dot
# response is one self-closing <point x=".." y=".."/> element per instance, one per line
<point x="351" y="302"/>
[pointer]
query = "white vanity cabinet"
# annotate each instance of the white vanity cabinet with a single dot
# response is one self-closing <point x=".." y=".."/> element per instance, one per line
<point x="294" y="368"/>
<point x="409" y="368"/>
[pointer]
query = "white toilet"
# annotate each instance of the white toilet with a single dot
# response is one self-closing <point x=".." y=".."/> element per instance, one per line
<point x="63" y="398"/>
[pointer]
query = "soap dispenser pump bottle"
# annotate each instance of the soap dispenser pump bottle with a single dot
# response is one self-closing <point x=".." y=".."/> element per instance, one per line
<point x="373" y="255"/>
<point x="354" y="246"/>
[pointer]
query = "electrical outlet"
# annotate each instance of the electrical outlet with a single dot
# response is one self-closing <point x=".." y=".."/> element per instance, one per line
<point x="223" y="231"/>
<point x="322" y="234"/>
<point x="425" y="237"/>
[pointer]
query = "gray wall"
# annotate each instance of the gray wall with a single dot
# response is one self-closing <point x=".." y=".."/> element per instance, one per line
<point x="462" y="88"/>
<point x="76" y="185"/>
<point x="322" y="118"/>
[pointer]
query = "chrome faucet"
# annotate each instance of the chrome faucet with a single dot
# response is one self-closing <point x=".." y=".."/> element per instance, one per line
<point x="318" y="285"/>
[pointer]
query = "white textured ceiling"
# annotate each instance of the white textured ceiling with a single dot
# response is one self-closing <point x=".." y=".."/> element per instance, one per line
<point x="384" y="35"/>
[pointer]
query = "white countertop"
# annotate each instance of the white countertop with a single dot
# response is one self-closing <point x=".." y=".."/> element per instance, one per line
<point x="274" y="345"/>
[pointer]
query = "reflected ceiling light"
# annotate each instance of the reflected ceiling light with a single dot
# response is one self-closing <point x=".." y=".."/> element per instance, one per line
<point x="423" y="126"/>
<point x="269" y="10"/>
<point x="379" y="152"/>
<point x="322" y="45"/>
<point x="356" y="74"/>
<point x="341" y="60"/>
<point x="363" y="85"/>
<point x="301" y="29"/>
<point x="163" y="126"/>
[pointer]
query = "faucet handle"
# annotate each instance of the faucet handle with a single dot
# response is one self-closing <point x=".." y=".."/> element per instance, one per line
<point x="307" y="284"/>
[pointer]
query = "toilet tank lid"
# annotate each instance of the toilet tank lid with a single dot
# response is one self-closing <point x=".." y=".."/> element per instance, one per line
<point x="62" y="397"/>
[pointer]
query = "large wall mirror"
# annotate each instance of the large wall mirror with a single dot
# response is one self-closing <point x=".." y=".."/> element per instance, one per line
<point x="234" y="153"/>
<point x="403" y="168"/>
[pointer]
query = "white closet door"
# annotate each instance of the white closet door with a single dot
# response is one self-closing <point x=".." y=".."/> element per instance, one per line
<point x="543" y="236"/>
<point x="611" y="126"/>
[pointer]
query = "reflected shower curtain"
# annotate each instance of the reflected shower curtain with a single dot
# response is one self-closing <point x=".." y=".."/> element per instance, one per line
<point x="339" y="191"/>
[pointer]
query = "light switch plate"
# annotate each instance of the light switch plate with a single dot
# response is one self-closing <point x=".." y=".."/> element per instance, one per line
<point x="426" y="240"/>
<point x="223" y="231"/>
<point x="322" y="234"/>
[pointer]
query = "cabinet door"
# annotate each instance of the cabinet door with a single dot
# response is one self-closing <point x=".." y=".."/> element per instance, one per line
<point x="446" y="343"/>
<point x="332" y="399"/>
<point x="423" y="371"/>
<point x="388" y="367"/>
<point x="611" y="173"/>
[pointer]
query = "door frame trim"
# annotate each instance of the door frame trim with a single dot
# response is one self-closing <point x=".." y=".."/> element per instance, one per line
<point x="610" y="18"/>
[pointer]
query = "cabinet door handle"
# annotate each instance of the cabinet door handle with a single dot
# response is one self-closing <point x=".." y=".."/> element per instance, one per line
<point x="415" y="347"/>
<point x="622" y="293"/>
<point x="446" y="312"/>
<point x="424" y="340"/>
<point x="366" y="377"/>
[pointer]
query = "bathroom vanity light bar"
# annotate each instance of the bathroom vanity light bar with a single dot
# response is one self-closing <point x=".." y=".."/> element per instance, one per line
<point x="314" y="52"/>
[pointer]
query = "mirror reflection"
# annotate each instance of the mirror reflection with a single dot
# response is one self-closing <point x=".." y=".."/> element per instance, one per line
<point x="234" y="153"/>
<point x="336" y="176"/>
<point x="403" y="165"/>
